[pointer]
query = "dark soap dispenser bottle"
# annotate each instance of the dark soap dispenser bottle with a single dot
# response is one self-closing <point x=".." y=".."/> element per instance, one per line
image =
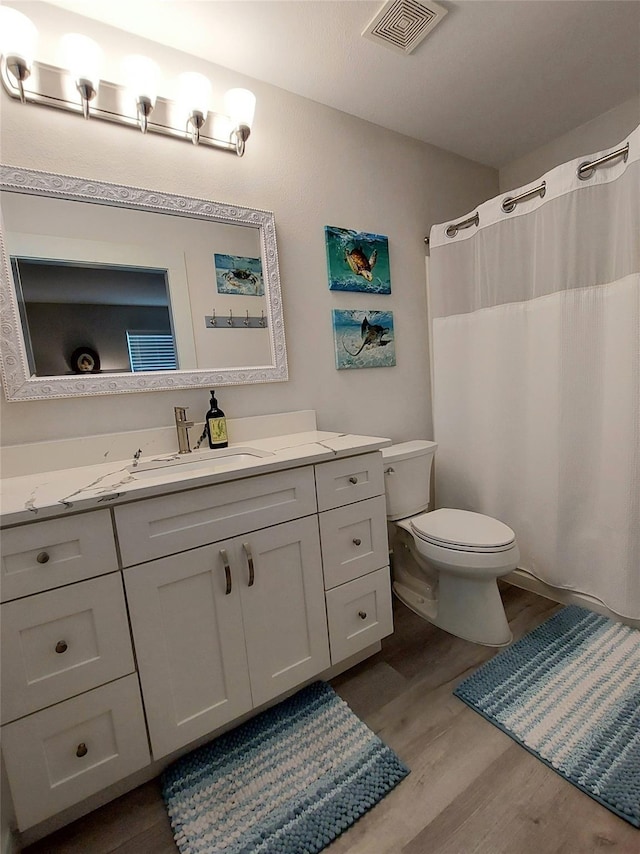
<point x="216" y="425"/>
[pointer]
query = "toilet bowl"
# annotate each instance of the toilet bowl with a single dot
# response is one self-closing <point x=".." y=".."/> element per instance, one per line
<point x="445" y="562"/>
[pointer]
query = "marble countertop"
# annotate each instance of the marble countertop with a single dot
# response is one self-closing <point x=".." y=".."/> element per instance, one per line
<point x="56" y="493"/>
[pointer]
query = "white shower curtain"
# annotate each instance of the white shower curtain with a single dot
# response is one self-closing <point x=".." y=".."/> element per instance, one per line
<point x="536" y="348"/>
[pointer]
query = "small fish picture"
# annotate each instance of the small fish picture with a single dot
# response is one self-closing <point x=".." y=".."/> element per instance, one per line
<point x="235" y="275"/>
<point x="357" y="261"/>
<point x="363" y="339"/>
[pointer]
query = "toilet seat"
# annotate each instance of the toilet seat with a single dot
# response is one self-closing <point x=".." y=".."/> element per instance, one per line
<point x="462" y="530"/>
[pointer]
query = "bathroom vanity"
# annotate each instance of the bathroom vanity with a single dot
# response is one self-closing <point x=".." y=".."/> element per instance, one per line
<point x="144" y="610"/>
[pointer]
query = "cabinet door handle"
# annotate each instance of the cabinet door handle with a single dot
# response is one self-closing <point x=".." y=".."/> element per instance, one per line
<point x="61" y="647"/>
<point x="81" y="750"/>
<point x="227" y="570"/>
<point x="357" y="541"/>
<point x="252" y="575"/>
<point x="353" y="479"/>
<point x="43" y="557"/>
<point x="362" y="615"/>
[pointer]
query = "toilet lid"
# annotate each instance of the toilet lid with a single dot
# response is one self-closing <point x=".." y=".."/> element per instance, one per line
<point x="464" y="530"/>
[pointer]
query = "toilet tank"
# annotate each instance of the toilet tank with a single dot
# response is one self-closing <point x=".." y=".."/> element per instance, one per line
<point x="407" y="477"/>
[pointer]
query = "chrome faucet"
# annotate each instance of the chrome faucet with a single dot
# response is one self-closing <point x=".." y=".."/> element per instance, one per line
<point x="182" y="428"/>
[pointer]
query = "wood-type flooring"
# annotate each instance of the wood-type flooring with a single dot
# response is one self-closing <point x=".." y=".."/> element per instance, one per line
<point x="472" y="790"/>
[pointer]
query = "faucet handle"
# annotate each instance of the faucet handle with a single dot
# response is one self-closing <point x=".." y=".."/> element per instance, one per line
<point x="181" y="415"/>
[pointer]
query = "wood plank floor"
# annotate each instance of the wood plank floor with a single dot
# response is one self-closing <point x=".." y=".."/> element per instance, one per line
<point x="471" y="790"/>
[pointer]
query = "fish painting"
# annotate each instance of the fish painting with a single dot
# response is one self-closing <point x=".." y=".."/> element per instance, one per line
<point x="363" y="339"/>
<point x="357" y="261"/>
<point x="372" y="336"/>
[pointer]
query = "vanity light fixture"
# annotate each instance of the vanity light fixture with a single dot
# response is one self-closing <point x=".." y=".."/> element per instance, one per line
<point x="18" y="38"/>
<point x="134" y="103"/>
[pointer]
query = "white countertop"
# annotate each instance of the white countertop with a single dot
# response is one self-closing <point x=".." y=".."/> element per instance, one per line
<point x="55" y="493"/>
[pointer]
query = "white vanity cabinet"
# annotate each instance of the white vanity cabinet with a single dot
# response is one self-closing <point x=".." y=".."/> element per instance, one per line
<point x="224" y="628"/>
<point x="234" y="594"/>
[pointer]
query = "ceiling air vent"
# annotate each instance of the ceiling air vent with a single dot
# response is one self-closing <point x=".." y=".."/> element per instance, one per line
<point x="402" y="24"/>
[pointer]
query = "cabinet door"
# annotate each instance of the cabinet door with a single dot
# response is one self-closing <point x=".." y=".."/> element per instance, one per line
<point x="283" y="610"/>
<point x="189" y="644"/>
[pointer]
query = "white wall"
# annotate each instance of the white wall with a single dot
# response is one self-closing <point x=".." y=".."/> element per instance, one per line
<point x="313" y="166"/>
<point x="606" y="130"/>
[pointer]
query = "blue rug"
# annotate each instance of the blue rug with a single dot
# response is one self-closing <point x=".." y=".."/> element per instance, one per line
<point x="288" y="781"/>
<point x="569" y="692"/>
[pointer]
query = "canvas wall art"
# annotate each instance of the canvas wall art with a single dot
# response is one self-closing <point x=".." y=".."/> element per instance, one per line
<point x="363" y="339"/>
<point x="357" y="261"/>
<point x="236" y="275"/>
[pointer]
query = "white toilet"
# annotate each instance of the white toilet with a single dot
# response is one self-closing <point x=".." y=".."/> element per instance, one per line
<point x="445" y="563"/>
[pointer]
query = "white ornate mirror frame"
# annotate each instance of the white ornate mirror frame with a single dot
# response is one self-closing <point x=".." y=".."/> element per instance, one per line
<point x="17" y="380"/>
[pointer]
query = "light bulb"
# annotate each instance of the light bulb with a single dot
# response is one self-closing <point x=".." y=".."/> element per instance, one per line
<point x="18" y="35"/>
<point x="18" y="38"/>
<point x="194" y="94"/>
<point x="142" y="79"/>
<point x="82" y="57"/>
<point x="240" y="105"/>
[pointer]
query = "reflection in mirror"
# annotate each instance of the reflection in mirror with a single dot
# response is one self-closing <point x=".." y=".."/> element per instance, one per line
<point x="167" y="291"/>
<point x="121" y="313"/>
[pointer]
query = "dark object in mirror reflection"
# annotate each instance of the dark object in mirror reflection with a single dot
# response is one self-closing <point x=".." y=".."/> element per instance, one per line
<point x="84" y="360"/>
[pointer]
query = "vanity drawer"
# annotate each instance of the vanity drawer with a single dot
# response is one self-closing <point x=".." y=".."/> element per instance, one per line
<point x="63" y="754"/>
<point x="43" y="555"/>
<point x="359" y="613"/>
<point x="175" y="523"/>
<point x="63" y="642"/>
<point x="354" y="540"/>
<point x="344" y="481"/>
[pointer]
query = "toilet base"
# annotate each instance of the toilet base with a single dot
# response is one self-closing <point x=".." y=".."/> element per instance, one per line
<point x="484" y="623"/>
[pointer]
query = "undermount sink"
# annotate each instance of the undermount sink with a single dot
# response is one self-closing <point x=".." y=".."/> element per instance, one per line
<point x="203" y="461"/>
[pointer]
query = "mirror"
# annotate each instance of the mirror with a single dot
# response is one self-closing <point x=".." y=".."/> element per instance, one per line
<point x="107" y="288"/>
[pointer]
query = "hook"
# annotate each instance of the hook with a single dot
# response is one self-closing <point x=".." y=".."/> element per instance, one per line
<point x="262" y="319"/>
<point x="246" y="320"/>
<point x="230" y="320"/>
<point x="213" y="318"/>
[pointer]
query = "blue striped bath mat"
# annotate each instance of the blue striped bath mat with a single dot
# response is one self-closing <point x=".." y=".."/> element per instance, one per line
<point x="569" y="692"/>
<point x="288" y="781"/>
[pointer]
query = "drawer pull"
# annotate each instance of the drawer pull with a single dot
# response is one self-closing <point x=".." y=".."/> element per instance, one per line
<point x="227" y="571"/>
<point x="81" y="750"/>
<point x="353" y="479"/>
<point x="43" y="557"/>
<point x="390" y="470"/>
<point x="61" y="647"/>
<point x="362" y="615"/>
<point x="247" y="551"/>
<point x="357" y="541"/>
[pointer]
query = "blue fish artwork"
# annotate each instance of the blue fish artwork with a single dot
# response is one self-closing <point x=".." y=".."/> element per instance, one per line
<point x="357" y="261"/>
<point x="363" y="339"/>
<point x="236" y="275"/>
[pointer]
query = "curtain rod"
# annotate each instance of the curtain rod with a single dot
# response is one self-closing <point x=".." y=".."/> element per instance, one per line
<point x="584" y="172"/>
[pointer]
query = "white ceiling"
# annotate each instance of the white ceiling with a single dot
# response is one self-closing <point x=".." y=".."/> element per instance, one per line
<point x="494" y="80"/>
